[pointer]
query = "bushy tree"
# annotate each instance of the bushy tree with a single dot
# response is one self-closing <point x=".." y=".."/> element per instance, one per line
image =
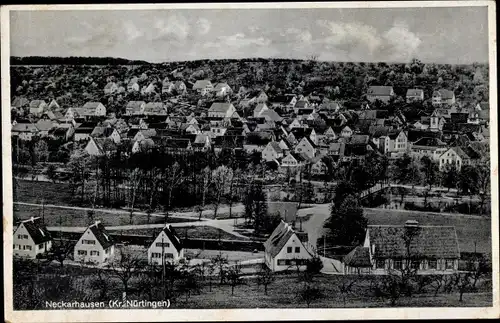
<point x="347" y="223"/>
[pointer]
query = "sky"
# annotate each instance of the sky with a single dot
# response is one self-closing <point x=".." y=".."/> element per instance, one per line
<point x="455" y="35"/>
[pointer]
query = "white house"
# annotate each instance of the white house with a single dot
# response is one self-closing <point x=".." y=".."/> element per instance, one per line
<point x="95" y="245"/>
<point x="94" y="109"/>
<point x="453" y="156"/>
<point x="307" y="147"/>
<point x="414" y="95"/>
<point x="203" y="86"/>
<point x="285" y="248"/>
<point x="135" y="107"/>
<point x="37" y="107"/>
<point x="167" y="246"/>
<point x="346" y="132"/>
<point x="25" y="131"/>
<point x="222" y="89"/>
<point x="31" y="238"/>
<point x="221" y="110"/>
<point x="272" y="152"/>
<point x="443" y="96"/>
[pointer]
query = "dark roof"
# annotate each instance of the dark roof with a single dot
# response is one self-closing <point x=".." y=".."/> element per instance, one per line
<point x="278" y="238"/>
<point x="429" y="241"/>
<point x="459" y="117"/>
<point x="37" y="230"/>
<point x="179" y="143"/>
<point x="358" y="257"/>
<point x="415" y="135"/>
<point x="378" y="131"/>
<point x="379" y="90"/>
<point x="101" y="234"/>
<point x="428" y="141"/>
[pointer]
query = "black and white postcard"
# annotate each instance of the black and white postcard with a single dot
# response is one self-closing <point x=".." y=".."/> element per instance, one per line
<point x="250" y="161"/>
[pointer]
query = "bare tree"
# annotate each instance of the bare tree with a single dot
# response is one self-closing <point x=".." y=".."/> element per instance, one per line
<point x="234" y="276"/>
<point x="220" y="176"/>
<point x="205" y="183"/>
<point x="174" y="178"/>
<point x="125" y="268"/>
<point x="265" y="277"/>
<point x="100" y="283"/>
<point x="134" y="181"/>
<point x="309" y="294"/>
<point x="345" y="287"/>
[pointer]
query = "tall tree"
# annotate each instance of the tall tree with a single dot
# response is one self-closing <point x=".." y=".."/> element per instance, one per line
<point x="347" y="223"/>
<point x="220" y="178"/>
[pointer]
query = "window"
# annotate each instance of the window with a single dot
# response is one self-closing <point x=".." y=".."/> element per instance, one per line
<point x="94" y="253"/>
<point x="26" y="247"/>
<point x="82" y="252"/>
<point x="22" y="236"/>
<point x="297" y="249"/>
<point x="415" y="264"/>
<point x="281" y="262"/>
<point x="380" y="263"/>
<point x="165" y="244"/>
<point x="289" y="249"/>
<point x="169" y="255"/>
<point x="432" y="264"/>
<point x="449" y="263"/>
<point x="84" y="241"/>
<point x="40" y="246"/>
<point x="397" y="264"/>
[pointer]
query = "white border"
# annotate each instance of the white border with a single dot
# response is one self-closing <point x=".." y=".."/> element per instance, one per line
<point x="242" y="314"/>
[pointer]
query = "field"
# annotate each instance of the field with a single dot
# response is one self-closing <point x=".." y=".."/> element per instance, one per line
<point x="78" y="218"/>
<point x="282" y="292"/>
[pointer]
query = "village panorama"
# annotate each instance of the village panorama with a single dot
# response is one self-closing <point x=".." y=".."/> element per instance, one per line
<point x="249" y="183"/>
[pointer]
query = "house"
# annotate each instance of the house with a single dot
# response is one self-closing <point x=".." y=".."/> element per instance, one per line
<point x="433" y="248"/>
<point x="95" y="245"/>
<point x="307" y="147"/>
<point x="53" y="105"/>
<point x="37" y="107"/>
<point x="100" y="146"/>
<point x="428" y="146"/>
<point x="221" y="110"/>
<point x="110" y="88"/>
<point x="178" y="145"/>
<point x="25" y="131"/>
<point x="329" y="133"/>
<point x="151" y="88"/>
<point x="82" y="132"/>
<point x="62" y="132"/>
<point x="443" y="96"/>
<point x="20" y="102"/>
<point x="454" y="156"/>
<point x="202" y="142"/>
<point x="135" y="108"/>
<point x="271" y="116"/>
<point x="272" y="152"/>
<point x="414" y="95"/>
<point x="133" y="85"/>
<point x="346" y="132"/>
<point x="259" y="109"/>
<point x="106" y="132"/>
<point x="436" y="121"/>
<point x="203" y="86"/>
<point x="318" y="167"/>
<point x="258" y="96"/>
<point x="31" y="238"/>
<point x="94" y="109"/>
<point x="166" y="247"/>
<point x="292" y="160"/>
<point x="193" y="129"/>
<point x="382" y="93"/>
<point x="155" y="109"/>
<point x="222" y="89"/>
<point x="286" y="101"/>
<point x="44" y="126"/>
<point x="285" y="248"/>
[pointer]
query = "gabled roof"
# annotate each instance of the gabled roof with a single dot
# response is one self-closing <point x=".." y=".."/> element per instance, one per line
<point x="276" y="146"/>
<point x="24" y="127"/>
<point x="278" y="239"/>
<point x="91" y="105"/>
<point x="201" y="84"/>
<point x="430" y="241"/>
<point x="44" y="125"/>
<point x="101" y="234"/>
<point x="358" y="140"/>
<point x="460" y="152"/>
<point x="220" y="86"/>
<point x="220" y="107"/>
<point x="445" y="94"/>
<point x="173" y="237"/>
<point x="20" y="101"/>
<point x="301" y="104"/>
<point x="178" y="143"/>
<point x="102" y="132"/>
<point x="378" y="131"/>
<point x="271" y="115"/>
<point x="154" y="107"/>
<point x="379" y="90"/>
<point x="35" y="104"/>
<point x="37" y="230"/>
<point x="135" y="106"/>
<point x="358" y="257"/>
<point x="414" y="92"/>
<point x="430" y="142"/>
